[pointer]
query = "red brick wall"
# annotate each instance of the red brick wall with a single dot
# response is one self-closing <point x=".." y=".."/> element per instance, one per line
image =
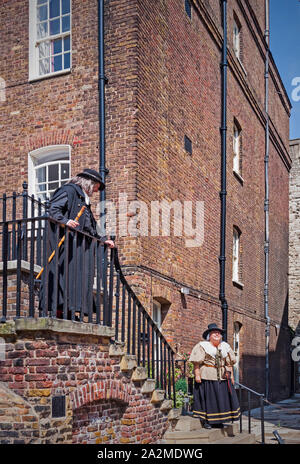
<point x="103" y="405"/>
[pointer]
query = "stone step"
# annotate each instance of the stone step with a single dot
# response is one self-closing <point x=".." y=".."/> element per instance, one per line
<point x="187" y="424"/>
<point x="148" y="386"/>
<point x="158" y="396"/>
<point x="139" y="374"/>
<point x="196" y="436"/>
<point x="128" y="362"/>
<point x="239" y="439"/>
<point x="117" y="349"/>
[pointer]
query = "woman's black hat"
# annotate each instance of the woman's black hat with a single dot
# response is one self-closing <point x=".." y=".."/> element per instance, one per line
<point x="93" y="175"/>
<point x="210" y="328"/>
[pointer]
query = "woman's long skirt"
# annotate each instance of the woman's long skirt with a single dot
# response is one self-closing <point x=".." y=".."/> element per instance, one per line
<point x="215" y="402"/>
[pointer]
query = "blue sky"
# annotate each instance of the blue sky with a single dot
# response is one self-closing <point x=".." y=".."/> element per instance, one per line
<point x="285" y="48"/>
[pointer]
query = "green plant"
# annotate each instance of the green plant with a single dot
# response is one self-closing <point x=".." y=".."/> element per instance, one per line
<point x="181" y="385"/>
<point x="181" y="392"/>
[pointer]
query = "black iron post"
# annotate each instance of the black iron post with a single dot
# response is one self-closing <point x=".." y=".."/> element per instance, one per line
<point x="102" y="81"/>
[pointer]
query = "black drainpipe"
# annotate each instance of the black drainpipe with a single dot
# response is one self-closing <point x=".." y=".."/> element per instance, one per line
<point x="101" y="86"/>
<point x="223" y="193"/>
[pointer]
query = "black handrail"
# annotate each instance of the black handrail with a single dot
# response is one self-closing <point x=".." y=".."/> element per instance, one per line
<point x="262" y="415"/>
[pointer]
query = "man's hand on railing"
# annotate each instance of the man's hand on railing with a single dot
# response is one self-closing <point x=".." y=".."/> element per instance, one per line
<point x="110" y="243"/>
<point x="72" y="223"/>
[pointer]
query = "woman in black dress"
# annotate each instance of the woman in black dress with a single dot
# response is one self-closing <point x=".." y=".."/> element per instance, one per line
<point x="215" y="399"/>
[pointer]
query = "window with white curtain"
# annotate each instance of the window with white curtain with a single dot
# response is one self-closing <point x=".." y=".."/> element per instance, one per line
<point x="237" y="39"/>
<point x="236" y="148"/>
<point x="235" y="255"/>
<point x="49" y="37"/>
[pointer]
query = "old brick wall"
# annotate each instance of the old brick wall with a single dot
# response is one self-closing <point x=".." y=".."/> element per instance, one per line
<point x="294" y="245"/>
<point x="103" y="404"/>
<point x="182" y="98"/>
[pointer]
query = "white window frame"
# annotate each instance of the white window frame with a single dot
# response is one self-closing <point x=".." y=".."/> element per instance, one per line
<point x="156" y="307"/>
<point x="236" y="149"/>
<point x="236" y="349"/>
<point x="235" y="255"/>
<point x="237" y="39"/>
<point x="44" y="156"/>
<point x="33" y="44"/>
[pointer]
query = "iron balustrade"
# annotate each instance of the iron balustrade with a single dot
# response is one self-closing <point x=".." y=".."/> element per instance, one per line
<point x="135" y="328"/>
<point x="21" y="206"/>
<point x="29" y="236"/>
<point x="261" y="401"/>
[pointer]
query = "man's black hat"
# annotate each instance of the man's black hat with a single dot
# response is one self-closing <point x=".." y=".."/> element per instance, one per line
<point x="210" y="328"/>
<point x="93" y="175"/>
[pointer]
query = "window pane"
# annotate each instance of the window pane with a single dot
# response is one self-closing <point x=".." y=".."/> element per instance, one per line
<point x="42" y="13"/>
<point x="65" y="23"/>
<point x="44" y="67"/>
<point x="54" y="8"/>
<point x="67" y="43"/>
<point x="57" y="46"/>
<point x="55" y="26"/>
<point x="53" y="185"/>
<point x="57" y="63"/>
<point x="44" y="50"/>
<point x="52" y="172"/>
<point x="65" y="6"/>
<point x="67" y="63"/>
<point x="41" y="174"/>
<point x="41" y="2"/>
<point x="42" y="30"/>
<point x="41" y="187"/>
<point x="64" y="171"/>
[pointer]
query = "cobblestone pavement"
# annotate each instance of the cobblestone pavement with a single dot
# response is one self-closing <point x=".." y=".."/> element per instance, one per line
<point x="283" y="417"/>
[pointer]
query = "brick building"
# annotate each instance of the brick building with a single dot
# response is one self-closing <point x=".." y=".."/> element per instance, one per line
<point x="294" y="244"/>
<point x="163" y="105"/>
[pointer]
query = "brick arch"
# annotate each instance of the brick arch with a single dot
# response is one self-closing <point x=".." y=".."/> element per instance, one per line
<point x="101" y="390"/>
<point x="54" y="137"/>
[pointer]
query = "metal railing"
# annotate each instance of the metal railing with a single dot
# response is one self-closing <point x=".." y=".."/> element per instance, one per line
<point x="142" y="337"/>
<point x="19" y="206"/>
<point x="262" y="400"/>
<point x="81" y="282"/>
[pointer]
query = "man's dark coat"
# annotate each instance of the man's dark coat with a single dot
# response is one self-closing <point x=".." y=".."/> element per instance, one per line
<point x="65" y="204"/>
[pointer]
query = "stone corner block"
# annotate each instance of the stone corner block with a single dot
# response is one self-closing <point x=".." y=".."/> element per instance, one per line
<point x="148" y="386"/>
<point x="158" y="396"/>
<point x="174" y="414"/>
<point x="7" y="328"/>
<point x="139" y="374"/>
<point x="117" y="349"/>
<point x="128" y="362"/>
<point x="166" y="405"/>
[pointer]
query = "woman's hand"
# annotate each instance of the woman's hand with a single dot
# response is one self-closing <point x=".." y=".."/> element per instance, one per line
<point x="197" y="373"/>
<point x="198" y="378"/>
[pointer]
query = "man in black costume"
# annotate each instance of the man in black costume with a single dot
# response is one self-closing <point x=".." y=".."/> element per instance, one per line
<point x="65" y="204"/>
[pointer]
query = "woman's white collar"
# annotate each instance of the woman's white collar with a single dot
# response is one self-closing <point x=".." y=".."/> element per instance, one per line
<point x="212" y="350"/>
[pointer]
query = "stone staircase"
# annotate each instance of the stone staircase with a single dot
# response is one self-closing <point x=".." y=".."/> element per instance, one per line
<point x="182" y="429"/>
<point x="188" y="430"/>
<point x="139" y="375"/>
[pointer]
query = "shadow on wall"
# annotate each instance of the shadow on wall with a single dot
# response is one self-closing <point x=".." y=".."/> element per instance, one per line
<point x="253" y="368"/>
